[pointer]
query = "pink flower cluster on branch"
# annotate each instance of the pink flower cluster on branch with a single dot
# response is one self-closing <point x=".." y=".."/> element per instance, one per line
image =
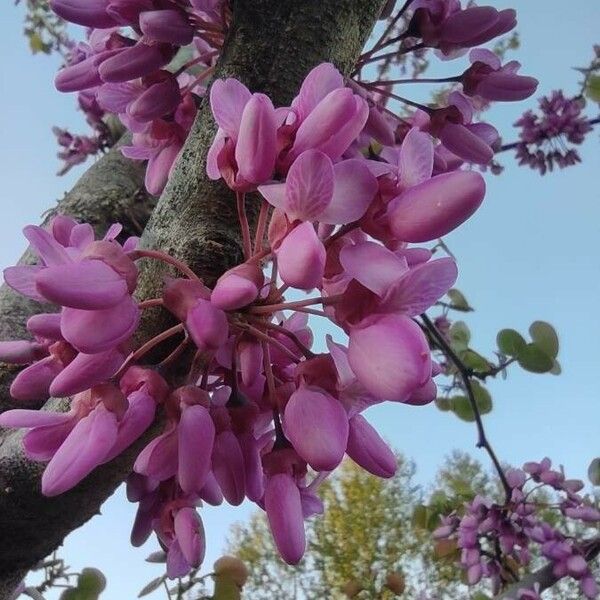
<point x="545" y="137"/>
<point x="259" y="415"/>
<point x="495" y="540"/>
<point x="129" y="75"/>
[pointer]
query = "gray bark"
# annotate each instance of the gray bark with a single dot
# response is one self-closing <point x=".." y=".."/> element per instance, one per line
<point x="271" y="47"/>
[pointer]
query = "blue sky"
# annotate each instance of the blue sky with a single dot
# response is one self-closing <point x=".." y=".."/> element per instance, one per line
<point x="531" y="252"/>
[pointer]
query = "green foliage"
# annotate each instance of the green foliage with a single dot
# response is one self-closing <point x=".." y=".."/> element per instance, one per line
<point x="537" y="356"/>
<point x="594" y="471"/>
<point x="90" y="583"/>
<point x="510" y="342"/>
<point x="458" y="301"/>
<point x="592" y="88"/>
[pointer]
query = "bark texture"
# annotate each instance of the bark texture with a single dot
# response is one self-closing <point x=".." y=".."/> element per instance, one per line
<point x="271" y="47"/>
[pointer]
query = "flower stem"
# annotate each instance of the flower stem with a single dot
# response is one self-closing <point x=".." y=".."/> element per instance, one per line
<point x="244" y="226"/>
<point x="166" y="258"/>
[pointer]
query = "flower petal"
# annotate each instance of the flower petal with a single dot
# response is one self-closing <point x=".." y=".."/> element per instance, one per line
<point x="317" y="426"/>
<point x="228" y="97"/>
<point x="416" y="158"/>
<point x="354" y="189"/>
<point x="82" y="451"/>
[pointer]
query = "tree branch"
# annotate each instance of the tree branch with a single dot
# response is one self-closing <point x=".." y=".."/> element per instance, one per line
<point x="271" y="47"/>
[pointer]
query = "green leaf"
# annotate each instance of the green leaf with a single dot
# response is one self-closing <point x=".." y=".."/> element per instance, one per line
<point x="151" y="586"/>
<point x="474" y="361"/>
<point x="594" y="471"/>
<point x="532" y="358"/>
<point x="481" y="596"/>
<point x="459" y="336"/>
<point x="510" y="342"/>
<point x="419" y="517"/>
<point x="36" y="44"/>
<point x="90" y="583"/>
<point x="443" y="404"/>
<point x="462" y="408"/>
<point x="592" y="90"/>
<point x="483" y="398"/>
<point x="458" y="300"/>
<point x="544" y="336"/>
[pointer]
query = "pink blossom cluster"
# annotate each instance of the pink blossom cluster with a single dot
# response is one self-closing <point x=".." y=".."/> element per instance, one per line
<point x="545" y="137"/>
<point x="493" y="536"/>
<point x="259" y="414"/>
<point x="135" y="77"/>
<point x="129" y="75"/>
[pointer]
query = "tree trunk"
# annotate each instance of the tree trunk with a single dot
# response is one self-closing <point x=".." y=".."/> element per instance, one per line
<point x="271" y="47"/>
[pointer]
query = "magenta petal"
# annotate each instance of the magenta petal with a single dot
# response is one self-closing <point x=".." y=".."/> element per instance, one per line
<point x="22" y="280"/>
<point x="284" y="511"/>
<point x="82" y="451"/>
<point x="254" y="473"/>
<point x="133" y="62"/>
<point x="309" y="186"/>
<point x="469" y="23"/>
<point x="507" y="87"/>
<point x="421" y="287"/>
<point x="196" y="432"/>
<point x="424" y="394"/>
<point x="45" y="325"/>
<point x="158" y="460"/>
<point x="436" y="207"/>
<point x="168" y="26"/>
<point x="416" y="158"/>
<point x="189" y="532"/>
<point x="301" y="258"/>
<point x="233" y="290"/>
<point x="34" y="382"/>
<point x="228" y="97"/>
<point x="368" y="450"/>
<point x="137" y="419"/>
<point x="46" y="247"/>
<point x="274" y="194"/>
<point x="256" y="146"/>
<point x="390" y="356"/>
<point x="317" y="426"/>
<point x="20" y="417"/>
<point x="207" y="325"/>
<point x="88" y="284"/>
<point x="93" y="331"/>
<point x="211" y="492"/>
<point x="358" y="261"/>
<point x="228" y="467"/>
<point x="159" y="167"/>
<point x="462" y="142"/>
<point x="89" y="13"/>
<point x="321" y="80"/>
<point x="177" y="565"/>
<point x="20" y="352"/>
<point x="159" y="99"/>
<point x="355" y="188"/>
<point x="85" y="371"/>
<point x="42" y="443"/>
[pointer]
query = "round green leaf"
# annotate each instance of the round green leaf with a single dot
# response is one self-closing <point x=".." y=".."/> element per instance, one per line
<point x="443" y="404"/>
<point x="483" y="398"/>
<point x="544" y="336"/>
<point x="460" y="336"/>
<point x="592" y="90"/>
<point x="510" y="342"/>
<point x="91" y="581"/>
<point x="533" y="359"/>
<point x="458" y="300"/>
<point x="594" y="471"/>
<point x="462" y="408"/>
<point x="474" y="361"/>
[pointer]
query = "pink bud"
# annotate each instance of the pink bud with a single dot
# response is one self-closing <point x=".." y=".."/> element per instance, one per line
<point x="367" y="449"/>
<point x="284" y="511"/>
<point x="136" y="61"/>
<point x="168" y="26"/>
<point x="436" y="206"/>
<point x="237" y="287"/>
<point x="390" y="356"/>
<point x="207" y="325"/>
<point x="89" y="13"/>
<point x="317" y="426"/>
<point x="301" y="258"/>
